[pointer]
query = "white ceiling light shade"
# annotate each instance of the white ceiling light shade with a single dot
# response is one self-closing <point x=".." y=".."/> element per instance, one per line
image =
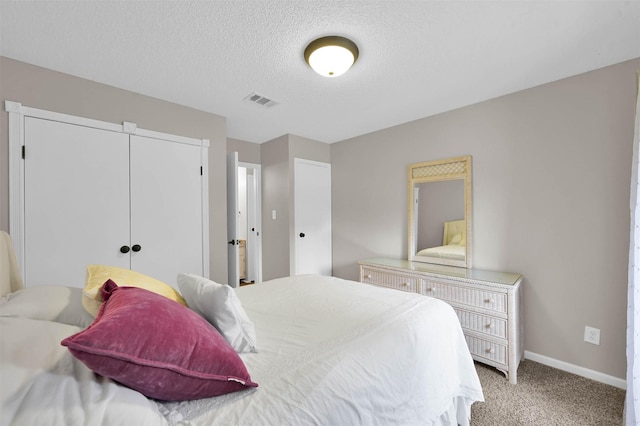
<point x="331" y="56"/>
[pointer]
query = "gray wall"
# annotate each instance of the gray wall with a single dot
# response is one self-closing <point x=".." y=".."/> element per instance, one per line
<point x="438" y="202"/>
<point x="248" y="152"/>
<point x="551" y="179"/>
<point x="45" y="89"/>
<point x="277" y="194"/>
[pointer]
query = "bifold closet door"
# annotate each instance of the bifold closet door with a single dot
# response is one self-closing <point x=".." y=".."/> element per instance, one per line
<point x="166" y="208"/>
<point x="76" y="201"/>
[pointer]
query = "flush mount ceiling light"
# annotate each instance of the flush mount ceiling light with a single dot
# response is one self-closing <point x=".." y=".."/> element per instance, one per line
<point x="331" y="56"/>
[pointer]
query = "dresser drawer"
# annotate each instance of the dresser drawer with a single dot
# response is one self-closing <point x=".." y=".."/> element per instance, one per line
<point x="488" y="350"/>
<point x="484" y="324"/>
<point x="489" y="300"/>
<point x="390" y="279"/>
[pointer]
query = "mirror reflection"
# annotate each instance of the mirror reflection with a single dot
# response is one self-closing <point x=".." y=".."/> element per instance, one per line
<point x="440" y="227"/>
<point x="440" y="212"/>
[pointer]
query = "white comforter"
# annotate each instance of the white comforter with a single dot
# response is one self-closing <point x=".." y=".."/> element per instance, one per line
<point x="331" y="352"/>
<point x="451" y="251"/>
<point x="336" y="352"/>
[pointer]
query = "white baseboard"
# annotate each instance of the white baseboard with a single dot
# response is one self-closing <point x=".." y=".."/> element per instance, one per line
<point x="575" y="369"/>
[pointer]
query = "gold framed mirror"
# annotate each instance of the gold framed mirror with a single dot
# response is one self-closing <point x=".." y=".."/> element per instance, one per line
<point x="440" y="212"/>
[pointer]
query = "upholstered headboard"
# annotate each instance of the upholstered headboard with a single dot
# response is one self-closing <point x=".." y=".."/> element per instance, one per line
<point x="453" y="228"/>
<point x="10" y="279"/>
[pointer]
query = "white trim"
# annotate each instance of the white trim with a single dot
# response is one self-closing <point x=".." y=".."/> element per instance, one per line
<point x="576" y="369"/>
<point x="65" y="118"/>
<point x="168" y="137"/>
<point x="204" y="160"/>
<point x="130" y="128"/>
<point x="11" y="106"/>
<point x="16" y="181"/>
<point x="126" y="127"/>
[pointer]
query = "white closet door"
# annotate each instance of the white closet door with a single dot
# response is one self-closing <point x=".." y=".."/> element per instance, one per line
<point x="166" y="208"/>
<point x="76" y="201"/>
<point x="312" y="199"/>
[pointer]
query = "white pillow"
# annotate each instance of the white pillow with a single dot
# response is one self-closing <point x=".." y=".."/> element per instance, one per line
<point x="49" y="303"/>
<point x="219" y="305"/>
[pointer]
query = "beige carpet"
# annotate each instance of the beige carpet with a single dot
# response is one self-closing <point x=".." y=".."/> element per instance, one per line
<point x="545" y="396"/>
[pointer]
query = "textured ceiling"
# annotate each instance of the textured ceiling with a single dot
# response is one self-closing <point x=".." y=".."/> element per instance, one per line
<point x="417" y="58"/>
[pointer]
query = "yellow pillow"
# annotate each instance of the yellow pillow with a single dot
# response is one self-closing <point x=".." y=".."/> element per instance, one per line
<point x="456" y="239"/>
<point x="97" y="275"/>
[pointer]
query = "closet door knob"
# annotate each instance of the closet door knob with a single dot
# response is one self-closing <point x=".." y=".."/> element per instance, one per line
<point x="302" y="235"/>
<point x="124" y="249"/>
<point x="136" y="247"/>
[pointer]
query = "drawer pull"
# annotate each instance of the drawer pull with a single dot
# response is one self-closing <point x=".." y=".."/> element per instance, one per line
<point x="404" y="284"/>
<point x="368" y="276"/>
<point x="489" y="326"/>
<point x="491" y="350"/>
<point x="431" y="289"/>
<point x="489" y="301"/>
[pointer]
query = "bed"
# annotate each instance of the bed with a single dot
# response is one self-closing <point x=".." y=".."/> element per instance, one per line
<point x="327" y="352"/>
<point x="453" y="242"/>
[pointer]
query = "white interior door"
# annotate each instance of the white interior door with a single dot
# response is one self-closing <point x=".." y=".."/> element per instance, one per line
<point x="312" y="218"/>
<point x="166" y="208"/>
<point x="76" y="201"/>
<point x="232" y="222"/>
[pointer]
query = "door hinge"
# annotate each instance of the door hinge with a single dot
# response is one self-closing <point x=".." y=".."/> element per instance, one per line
<point x="23" y="151"/>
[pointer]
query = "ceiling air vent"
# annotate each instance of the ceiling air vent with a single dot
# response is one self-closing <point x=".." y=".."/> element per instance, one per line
<point x="258" y="99"/>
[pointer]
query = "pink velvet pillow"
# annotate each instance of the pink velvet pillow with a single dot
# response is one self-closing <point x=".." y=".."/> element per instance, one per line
<point x="158" y="347"/>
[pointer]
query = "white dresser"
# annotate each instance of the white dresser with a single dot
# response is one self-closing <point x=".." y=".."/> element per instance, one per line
<point x="488" y="304"/>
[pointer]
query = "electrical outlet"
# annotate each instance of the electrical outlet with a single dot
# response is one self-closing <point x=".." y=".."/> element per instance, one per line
<point x="592" y="335"/>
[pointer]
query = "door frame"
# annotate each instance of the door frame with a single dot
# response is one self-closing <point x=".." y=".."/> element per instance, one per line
<point x="17" y="113"/>
<point x="257" y="201"/>
<point x="233" y="264"/>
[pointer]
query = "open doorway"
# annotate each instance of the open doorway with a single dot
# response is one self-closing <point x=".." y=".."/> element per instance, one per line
<point x="249" y="224"/>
